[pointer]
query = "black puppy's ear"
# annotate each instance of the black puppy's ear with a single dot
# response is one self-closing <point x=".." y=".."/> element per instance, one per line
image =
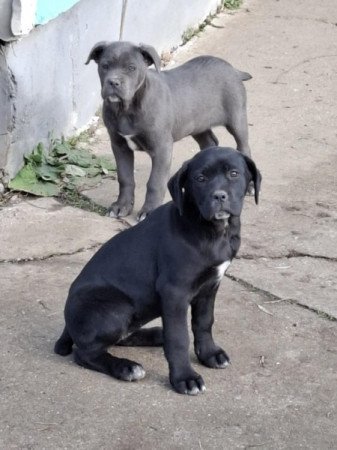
<point x="256" y="177"/>
<point x="176" y="186"/>
<point x="150" y="55"/>
<point x="96" y="51"/>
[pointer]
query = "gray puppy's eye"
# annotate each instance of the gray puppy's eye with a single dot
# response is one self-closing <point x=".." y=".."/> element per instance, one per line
<point x="131" y="68"/>
<point x="105" y="66"/>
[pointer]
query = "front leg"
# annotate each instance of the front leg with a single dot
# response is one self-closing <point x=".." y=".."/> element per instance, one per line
<point x="125" y="173"/>
<point x="176" y="345"/>
<point x="156" y="186"/>
<point x="208" y="353"/>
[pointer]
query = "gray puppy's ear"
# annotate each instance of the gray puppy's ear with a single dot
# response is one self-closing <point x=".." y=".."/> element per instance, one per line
<point x="96" y="51"/>
<point x="176" y="185"/>
<point x="150" y="55"/>
<point x="256" y="176"/>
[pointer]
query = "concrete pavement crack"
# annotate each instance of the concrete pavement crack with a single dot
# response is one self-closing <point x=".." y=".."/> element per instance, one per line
<point x="309" y="19"/>
<point x="304" y="61"/>
<point x="290" y="255"/>
<point x="53" y="255"/>
<point x="271" y="296"/>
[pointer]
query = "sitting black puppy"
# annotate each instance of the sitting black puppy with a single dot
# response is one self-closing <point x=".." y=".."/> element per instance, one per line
<point x="173" y="259"/>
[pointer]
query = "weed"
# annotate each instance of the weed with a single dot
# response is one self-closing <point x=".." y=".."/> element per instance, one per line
<point x="63" y="168"/>
<point x="232" y="4"/>
<point x="195" y="31"/>
<point x="191" y="32"/>
<point x="78" y="200"/>
<point x="188" y="34"/>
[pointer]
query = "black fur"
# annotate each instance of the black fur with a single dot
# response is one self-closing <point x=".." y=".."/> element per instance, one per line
<point x="159" y="268"/>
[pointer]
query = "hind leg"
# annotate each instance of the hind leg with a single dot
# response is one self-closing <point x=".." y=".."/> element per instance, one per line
<point x="64" y="344"/>
<point x="145" y="337"/>
<point x="97" y="322"/>
<point x="206" y="139"/>
<point x="238" y="128"/>
<point x="101" y="361"/>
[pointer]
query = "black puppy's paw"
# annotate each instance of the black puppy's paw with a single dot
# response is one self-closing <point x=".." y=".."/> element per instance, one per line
<point x="193" y="384"/>
<point x="130" y="371"/>
<point x="216" y="360"/>
<point x="120" y="209"/>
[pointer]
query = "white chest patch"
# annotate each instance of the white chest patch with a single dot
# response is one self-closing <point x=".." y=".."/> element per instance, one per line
<point x="132" y="145"/>
<point x="222" y="269"/>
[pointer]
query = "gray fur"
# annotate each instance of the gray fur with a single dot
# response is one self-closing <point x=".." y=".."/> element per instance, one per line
<point x="155" y="109"/>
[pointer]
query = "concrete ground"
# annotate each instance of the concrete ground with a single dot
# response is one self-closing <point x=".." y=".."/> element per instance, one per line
<point x="276" y="311"/>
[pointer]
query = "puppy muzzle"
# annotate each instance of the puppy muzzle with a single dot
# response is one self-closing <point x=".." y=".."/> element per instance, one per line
<point x="220" y="205"/>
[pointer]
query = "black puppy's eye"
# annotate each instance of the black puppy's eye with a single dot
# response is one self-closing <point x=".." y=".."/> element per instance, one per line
<point x="200" y="178"/>
<point x="131" y="68"/>
<point x="105" y="66"/>
<point x="234" y="173"/>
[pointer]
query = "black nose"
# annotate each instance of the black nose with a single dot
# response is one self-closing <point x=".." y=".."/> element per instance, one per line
<point x="115" y="82"/>
<point x="220" y="196"/>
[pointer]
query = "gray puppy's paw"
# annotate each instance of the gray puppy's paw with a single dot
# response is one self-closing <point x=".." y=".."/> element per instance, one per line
<point x="118" y="209"/>
<point x="142" y="215"/>
<point x="144" y="212"/>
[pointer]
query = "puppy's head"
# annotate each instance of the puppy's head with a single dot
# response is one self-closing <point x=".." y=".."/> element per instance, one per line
<point x="122" y="68"/>
<point x="214" y="182"/>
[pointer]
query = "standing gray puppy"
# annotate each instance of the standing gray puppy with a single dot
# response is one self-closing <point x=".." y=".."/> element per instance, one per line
<point x="149" y="110"/>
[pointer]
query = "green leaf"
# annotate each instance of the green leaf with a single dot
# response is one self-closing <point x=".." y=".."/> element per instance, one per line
<point x="105" y="163"/>
<point x="92" y="171"/>
<point x="27" y="181"/>
<point x="63" y="167"/>
<point x="37" y="155"/>
<point x="75" y="171"/>
<point x="61" y="148"/>
<point x="80" y="158"/>
<point x="84" y="183"/>
<point x="54" y="161"/>
<point x="48" y="173"/>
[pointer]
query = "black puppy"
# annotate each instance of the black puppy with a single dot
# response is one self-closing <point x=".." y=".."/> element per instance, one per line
<point x="173" y="259"/>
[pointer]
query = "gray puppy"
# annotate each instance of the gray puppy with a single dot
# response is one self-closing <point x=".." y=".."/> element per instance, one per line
<point x="149" y="110"/>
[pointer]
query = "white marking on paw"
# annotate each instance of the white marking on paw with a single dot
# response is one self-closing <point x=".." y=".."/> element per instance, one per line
<point x="138" y="373"/>
<point x="112" y="214"/>
<point x="193" y="391"/>
<point x="224" y="364"/>
<point x="222" y="269"/>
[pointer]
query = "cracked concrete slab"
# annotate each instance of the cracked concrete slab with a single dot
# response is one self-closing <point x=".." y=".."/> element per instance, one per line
<point x="279" y="391"/>
<point x="283" y="228"/>
<point x="309" y="281"/>
<point x="43" y="227"/>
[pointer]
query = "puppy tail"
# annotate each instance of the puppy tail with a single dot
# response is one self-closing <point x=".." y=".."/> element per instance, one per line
<point x="245" y="76"/>
<point x="64" y="345"/>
